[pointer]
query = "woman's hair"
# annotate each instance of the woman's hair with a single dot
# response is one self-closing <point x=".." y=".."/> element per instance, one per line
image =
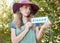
<point x="19" y="21"/>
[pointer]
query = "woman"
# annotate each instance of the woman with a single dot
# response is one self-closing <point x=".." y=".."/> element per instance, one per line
<point x="22" y="30"/>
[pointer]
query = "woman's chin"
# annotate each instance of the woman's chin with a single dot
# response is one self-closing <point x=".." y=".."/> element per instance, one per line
<point x="26" y="15"/>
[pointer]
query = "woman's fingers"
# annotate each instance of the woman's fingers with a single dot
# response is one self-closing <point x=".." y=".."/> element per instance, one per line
<point x="29" y="24"/>
<point x="49" y="22"/>
<point x="46" y="24"/>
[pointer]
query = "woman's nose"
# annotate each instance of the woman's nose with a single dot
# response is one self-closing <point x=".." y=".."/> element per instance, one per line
<point x="28" y="9"/>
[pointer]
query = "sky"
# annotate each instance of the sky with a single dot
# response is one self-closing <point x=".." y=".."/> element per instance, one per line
<point x="9" y="2"/>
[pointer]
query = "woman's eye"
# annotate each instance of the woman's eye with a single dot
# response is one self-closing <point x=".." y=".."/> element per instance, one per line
<point x="30" y="8"/>
<point x="26" y="7"/>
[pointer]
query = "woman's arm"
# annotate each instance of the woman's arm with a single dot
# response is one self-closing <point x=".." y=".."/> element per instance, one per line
<point x="39" y="33"/>
<point x="16" y="39"/>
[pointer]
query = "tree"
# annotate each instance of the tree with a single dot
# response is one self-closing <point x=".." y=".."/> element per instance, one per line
<point x="50" y="8"/>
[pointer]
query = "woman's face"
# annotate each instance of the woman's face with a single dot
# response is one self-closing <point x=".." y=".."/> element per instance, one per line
<point x="25" y="10"/>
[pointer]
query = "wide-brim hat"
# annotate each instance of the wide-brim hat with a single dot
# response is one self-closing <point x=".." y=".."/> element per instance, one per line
<point x="34" y="7"/>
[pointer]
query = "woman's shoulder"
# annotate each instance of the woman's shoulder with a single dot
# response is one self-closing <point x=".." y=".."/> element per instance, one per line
<point x="12" y="25"/>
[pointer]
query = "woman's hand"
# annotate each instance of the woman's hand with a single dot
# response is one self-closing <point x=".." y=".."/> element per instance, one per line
<point x="47" y="24"/>
<point x="28" y="25"/>
<point x="40" y="30"/>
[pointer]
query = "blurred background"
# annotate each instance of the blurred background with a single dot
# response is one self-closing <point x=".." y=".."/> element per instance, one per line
<point x="50" y="8"/>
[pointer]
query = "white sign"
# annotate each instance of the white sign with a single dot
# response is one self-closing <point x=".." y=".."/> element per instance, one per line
<point x="39" y="20"/>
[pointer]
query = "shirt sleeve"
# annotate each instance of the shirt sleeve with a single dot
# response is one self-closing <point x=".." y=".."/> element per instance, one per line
<point x="12" y="26"/>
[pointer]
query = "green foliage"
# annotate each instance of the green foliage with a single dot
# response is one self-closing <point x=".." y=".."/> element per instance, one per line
<point x="50" y="8"/>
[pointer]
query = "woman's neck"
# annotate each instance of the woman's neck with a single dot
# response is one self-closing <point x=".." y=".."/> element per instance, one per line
<point x="25" y="18"/>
